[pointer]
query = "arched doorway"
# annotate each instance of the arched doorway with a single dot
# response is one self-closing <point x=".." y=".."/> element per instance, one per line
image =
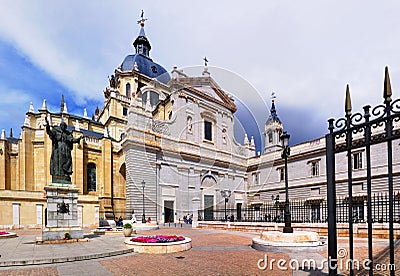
<point x="207" y="184"/>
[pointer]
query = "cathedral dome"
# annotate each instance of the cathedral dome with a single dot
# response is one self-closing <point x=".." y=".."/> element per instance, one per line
<point x="141" y="61"/>
<point x="146" y="66"/>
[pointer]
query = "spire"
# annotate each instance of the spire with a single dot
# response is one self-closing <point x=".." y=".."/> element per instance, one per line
<point x="65" y="110"/>
<point x="62" y="104"/>
<point x="96" y="114"/>
<point x="252" y="144"/>
<point x="11" y="134"/>
<point x="31" y="108"/>
<point x="85" y="113"/>
<point x="44" y="105"/>
<point x="246" y="140"/>
<point x="141" y="43"/>
<point x="273" y="116"/>
<point x="3" y="134"/>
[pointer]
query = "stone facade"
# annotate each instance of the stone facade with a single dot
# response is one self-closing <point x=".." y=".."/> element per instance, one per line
<point x="191" y="154"/>
<point x="25" y="171"/>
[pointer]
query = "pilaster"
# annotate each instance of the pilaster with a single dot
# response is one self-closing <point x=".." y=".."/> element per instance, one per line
<point x="3" y="172"/>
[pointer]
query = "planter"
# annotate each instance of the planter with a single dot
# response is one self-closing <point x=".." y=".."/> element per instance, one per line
<point x="127" y="232"/>
<point x="6" y="235"/>
<point x="160" y="248"/>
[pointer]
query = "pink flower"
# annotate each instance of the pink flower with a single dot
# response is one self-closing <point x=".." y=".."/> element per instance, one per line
<point x="158" y="239"/>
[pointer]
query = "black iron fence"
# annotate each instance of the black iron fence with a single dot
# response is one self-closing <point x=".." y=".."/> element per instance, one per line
<point x="355" y="134"/>
<point x="310" y="211"/>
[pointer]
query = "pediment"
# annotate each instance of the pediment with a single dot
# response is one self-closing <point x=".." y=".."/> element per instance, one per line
<point x="207" y="89"/>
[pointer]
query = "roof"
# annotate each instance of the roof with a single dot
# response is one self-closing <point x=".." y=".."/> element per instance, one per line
<point x="273" y="117"/>
<point x="12" y="139"/>
<point x="87" y="133"/>
<point x="146" y="66"/>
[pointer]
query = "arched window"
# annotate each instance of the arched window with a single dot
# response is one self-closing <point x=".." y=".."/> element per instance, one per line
<point x="128" y="90"/>
<point x="151" y="96"/>
<point x="91" y="177"/>
<point x="270" y="137"/>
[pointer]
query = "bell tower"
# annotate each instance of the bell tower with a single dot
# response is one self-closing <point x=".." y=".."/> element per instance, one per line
<point x="273" y="129"/>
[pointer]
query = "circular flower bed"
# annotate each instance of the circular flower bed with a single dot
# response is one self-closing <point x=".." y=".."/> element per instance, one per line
<point x="159" y="244"/>
<point x="5" y="235"/>
<point x="158" y="239"/>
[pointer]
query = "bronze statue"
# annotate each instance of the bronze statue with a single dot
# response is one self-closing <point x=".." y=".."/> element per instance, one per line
<point x="61" y="160"/>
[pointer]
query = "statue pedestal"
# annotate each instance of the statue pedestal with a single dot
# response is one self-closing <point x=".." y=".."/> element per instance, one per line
<point x="62" y="212"/>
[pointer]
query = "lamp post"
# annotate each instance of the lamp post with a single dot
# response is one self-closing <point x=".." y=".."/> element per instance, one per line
<point x="144" y="216"/>
<point x="276" y="199"/>
<point x="226" y="195"/>
<point x="285" y="154"/>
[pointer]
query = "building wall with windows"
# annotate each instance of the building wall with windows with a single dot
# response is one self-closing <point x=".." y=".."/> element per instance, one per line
<point x="307" y="175"/>
<point x="25" y="170"/>
<point x="189" y="154"/>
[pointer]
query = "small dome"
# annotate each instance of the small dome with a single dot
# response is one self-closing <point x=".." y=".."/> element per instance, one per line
<point x="142" y="39"/>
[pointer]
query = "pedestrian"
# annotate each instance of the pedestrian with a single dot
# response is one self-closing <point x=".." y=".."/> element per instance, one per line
<point x="120" y="222"/>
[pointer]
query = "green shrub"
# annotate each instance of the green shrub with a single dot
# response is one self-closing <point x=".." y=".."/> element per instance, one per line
<point x="127" y="225"/>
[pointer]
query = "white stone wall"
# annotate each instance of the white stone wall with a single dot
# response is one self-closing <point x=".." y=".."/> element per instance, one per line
<point x="302" y="184"/>
<point x="173" y="161"/>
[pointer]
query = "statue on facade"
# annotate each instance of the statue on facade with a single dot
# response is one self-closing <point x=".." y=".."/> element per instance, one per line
<point x="61" y="159"/>
<point x="113" y="82"/>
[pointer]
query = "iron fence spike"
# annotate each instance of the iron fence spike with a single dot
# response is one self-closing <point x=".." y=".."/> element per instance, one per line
<point x="347" y="106"/>
<point x="387" y="88"/>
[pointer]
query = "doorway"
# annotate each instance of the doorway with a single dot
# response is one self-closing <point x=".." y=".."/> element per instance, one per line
<point x="239" y="211"/>
<point x="168" y="211"/>
<point x="208" y="207"/>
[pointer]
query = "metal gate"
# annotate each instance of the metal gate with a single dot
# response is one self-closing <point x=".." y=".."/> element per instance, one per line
<point x="360" y="131"/>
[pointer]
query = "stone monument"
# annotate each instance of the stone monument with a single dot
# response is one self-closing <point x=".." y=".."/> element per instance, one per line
<point x="61" y="194"/>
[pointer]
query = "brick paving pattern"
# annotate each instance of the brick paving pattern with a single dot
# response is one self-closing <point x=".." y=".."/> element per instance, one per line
<point x="43" y="271"/>
<point x="380" y="252"/>
<point x="214" y="252"/>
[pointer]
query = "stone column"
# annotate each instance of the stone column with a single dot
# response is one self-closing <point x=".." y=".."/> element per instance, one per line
<point x="196" y="207"/>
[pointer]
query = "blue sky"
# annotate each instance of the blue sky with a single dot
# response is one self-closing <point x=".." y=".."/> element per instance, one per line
<point x="22" y="82"/>
<point x="305" y="52"/>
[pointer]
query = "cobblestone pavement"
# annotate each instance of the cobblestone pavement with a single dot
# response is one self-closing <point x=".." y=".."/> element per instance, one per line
<point x="214" y="252"/>
<point x="360" y="253"/>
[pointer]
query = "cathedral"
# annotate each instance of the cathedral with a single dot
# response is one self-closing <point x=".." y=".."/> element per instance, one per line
<point x="163" y="146"/>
